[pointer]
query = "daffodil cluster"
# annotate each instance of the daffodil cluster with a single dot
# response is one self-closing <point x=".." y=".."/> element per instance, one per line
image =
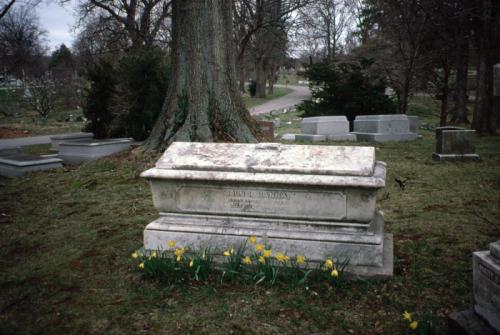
<point x="412" y="324"/>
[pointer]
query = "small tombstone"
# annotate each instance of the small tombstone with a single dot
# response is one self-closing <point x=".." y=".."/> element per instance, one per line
<point x="335" y="128"/>
<point x="57" y="139"/>
<point x="267" y="129"/>
<point x="455" y="143"/>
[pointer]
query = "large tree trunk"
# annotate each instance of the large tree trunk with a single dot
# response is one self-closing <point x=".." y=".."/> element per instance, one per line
<point x="260" y="77"/>
<point x="484" y="120"/>
<point x="460" y="112"/>
<point x="444" y="94"/>
<point x="203" y="103"/>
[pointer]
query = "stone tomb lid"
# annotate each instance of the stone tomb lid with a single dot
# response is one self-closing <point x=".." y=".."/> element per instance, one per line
<point x="271" y="163"/>
<point x="27" y="160"/>
<point x="95" y="142"/>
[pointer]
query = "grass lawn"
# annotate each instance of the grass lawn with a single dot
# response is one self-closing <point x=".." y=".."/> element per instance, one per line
<point x="67" y="236"/>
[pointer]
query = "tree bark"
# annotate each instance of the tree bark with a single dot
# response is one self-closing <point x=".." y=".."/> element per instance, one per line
<point x="462" y="64"/>
<point x="260" y="77"/>
<point x="203" y="103"/>
<point x="484" y="120"/>
<point x="444" y="94"/>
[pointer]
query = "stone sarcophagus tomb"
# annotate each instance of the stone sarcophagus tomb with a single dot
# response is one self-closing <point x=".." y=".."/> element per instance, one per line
<point x="317" y="201"/>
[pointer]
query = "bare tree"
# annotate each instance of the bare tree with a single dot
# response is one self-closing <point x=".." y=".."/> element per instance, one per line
<point x="326" y="21"/>
<point x="21" y="42"/>
<point x="142" y="20"/>
<point x="5" y="6"/>
<point x="41" y="96"/>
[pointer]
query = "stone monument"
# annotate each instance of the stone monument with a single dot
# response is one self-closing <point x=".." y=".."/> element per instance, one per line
<point x="484" y="318"/>
<point x="16" y="164"/>
<point x="455" y="143"/>
<point x="318" y="201"/>
<point x="334" y="128"/>
<point x="383" y="128"/>
<point x="57" y="139"/>
<point x="80" y="151"/>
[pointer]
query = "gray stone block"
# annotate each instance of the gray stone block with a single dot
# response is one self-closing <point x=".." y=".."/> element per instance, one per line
<point x="342" y="137"/>
<point x="455" y="143"/>
<point x="288" y="137"/>
<point x="379" y="137"/>
<point x="383" y="128"/>
<point x="9" y="151"/>
<point x="467" y="322"/>
<point x="310" y="138"/>
<point x="313" y="200"/>
<point x="486" y="283"/>
<point x="17" y="165"/>
<point x="58" y="139"/>
<point x="80" y="151"/>
<point x="414" y="124"/>
<point x="324" y="125"/>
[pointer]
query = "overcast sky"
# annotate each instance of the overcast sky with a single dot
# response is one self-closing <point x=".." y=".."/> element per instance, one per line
<point x="59" y="22"/>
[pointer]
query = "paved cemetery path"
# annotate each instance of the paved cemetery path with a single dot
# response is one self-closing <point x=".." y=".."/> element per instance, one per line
<point x="298" y="94"/>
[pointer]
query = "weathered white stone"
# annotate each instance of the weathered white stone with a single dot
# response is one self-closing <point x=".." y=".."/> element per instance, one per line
<point x="58" y="139"/>
<point x="312" y="200"/>
<point x="325" y="125"/>
<point x="16" y="165"/>
<point x="288" y="137"/>
<point x="383" y="128"/>
<point x="310" y="138"/>
<point x="486" y="275"/>
<point x="79" y="151"/>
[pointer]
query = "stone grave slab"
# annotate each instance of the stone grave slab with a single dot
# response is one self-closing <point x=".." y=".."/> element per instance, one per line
<point x="16" y="165"/>
<point x="486" y="283"/>
<point x="8" y="151"/>
<point x="383" y="128"/>
<point x="288" y="137"/>
<point x="455" y="143"/>
<point x="335" y="128"/>
<point x="58" y="139"/>
<point x="80" y="151"/>
<point x="312" y="200"/>
<point x="414" y="124"/>
<point x="310" y="138"/>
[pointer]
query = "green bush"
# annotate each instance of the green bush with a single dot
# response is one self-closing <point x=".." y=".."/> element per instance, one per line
<point x="142" y="79"/>
<point x="125" y="98"/>
<point x="97" y="106"/>
<point x="346" y="88"/>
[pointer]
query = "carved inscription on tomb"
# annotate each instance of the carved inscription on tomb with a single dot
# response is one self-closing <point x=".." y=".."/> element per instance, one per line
<point x="262" y="202"/>
<point x="488" y="273"/>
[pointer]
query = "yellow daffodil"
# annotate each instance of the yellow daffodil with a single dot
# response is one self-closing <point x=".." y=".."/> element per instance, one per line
<point x="135" y="255"/>
<point x="328" y="264"/>
<point x="300" y="259"/>
<point x="246" y="260"/>
<point x="141" y="266"/>
<point x="262" y="260"/>
<point x="267" y="253"/>
<point x="334" y="273"/>
<point x="191" y="263"/>
<point x="179" y="252"/>
<point x="281" y="257"/>
<point x="171" y="244"/>
<point x="259" y="247"/>
<point x="154" y="254"/>
<point x="413" y="325"/>
<point x="252" y="239"/>
<point x="407" y="316"/>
